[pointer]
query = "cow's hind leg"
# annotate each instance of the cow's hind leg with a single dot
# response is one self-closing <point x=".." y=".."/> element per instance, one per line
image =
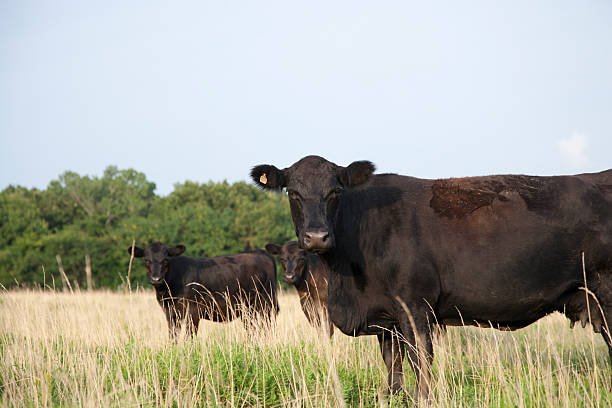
<point x="606" y="332"/>
<point x="607" y="336"/>
<point x="193" y="321"/>
<point x="603" y="319"/>
<point x="600" y="313"/>
<point x="271" y="311"/>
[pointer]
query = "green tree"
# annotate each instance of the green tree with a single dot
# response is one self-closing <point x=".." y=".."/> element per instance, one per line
<point x="22" y="231"/>
<point x="78" y="215"/>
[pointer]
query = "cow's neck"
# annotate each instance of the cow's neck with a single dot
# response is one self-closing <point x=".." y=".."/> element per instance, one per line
<point x="302" y="283"/>
<point x="344" y="295"/>
<point x="307" y="283"/>
<point x="162" y="293"/>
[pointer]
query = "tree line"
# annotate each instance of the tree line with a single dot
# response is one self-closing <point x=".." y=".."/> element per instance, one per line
<point x="79" y="215"/>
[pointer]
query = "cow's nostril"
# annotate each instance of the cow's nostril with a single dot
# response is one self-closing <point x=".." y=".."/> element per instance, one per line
<point x="317" y="240"/>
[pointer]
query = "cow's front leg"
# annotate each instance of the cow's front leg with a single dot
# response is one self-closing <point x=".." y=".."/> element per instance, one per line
<point x="416" y="330"/>
<point x="173" y="319"/>
<point x="392" y="353"/>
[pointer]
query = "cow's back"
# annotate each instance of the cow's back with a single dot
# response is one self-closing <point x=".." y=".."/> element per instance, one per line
<point x="516" y="255"/>
<point x="222" y="287"/>
<point x="499" y="248"/>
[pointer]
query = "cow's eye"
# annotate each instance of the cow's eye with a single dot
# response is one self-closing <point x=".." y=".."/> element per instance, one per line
<point x="293" y="195"/>
<point x="334" y="193"/>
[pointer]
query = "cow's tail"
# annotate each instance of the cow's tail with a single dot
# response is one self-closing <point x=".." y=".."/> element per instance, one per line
<point x="274" y="284"/>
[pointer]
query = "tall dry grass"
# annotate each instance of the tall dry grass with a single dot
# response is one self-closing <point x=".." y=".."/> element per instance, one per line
<point x="112" y="349"/>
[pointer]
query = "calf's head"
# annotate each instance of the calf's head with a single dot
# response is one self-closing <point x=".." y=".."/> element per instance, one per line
<point x="315" y="187"/>
<point x="156" y="257"/>
<point x="292" y="258"/>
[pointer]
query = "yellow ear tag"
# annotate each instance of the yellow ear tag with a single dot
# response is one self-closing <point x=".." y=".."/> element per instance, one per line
<point x="263" y="179"/>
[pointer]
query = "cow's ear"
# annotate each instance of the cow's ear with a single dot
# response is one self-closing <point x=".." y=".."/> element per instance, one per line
<point x="268" y="177"/>
<point x="273" y="249"/>
<point x="138" y="252"/>
<point x="177" y="250"/>
<point x="356" y="173"/>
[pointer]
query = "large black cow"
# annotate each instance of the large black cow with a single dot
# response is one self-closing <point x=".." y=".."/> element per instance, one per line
<point x="500" y="251"/>
<point x="308" y="273"/>
<point x="218" y="289"/>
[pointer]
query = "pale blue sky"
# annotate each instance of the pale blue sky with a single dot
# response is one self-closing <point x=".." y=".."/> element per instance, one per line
<point x="205" y="90"/>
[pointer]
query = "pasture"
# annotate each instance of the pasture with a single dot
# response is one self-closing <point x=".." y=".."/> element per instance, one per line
<point x="112" y="349"/>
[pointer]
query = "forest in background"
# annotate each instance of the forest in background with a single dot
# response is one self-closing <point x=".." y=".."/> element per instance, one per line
<point x="100" y="216"/>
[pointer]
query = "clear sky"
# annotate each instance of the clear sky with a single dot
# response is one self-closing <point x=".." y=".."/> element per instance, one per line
<point x="205" y="90"/>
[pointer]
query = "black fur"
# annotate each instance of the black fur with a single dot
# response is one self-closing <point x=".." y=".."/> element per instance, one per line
<point x="499" y="251"/>
<point x="218" y="289"/>
<point x="275" y="179"/>
<point x="308" y="273"/>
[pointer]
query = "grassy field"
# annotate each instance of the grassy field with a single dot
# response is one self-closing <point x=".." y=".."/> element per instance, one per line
<point x="112" y="349"/>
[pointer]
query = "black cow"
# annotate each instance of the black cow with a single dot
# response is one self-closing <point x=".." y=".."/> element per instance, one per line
<point x="218" y="289"/>
<point x="500" y="251"/>
<point x="308" y="273"/>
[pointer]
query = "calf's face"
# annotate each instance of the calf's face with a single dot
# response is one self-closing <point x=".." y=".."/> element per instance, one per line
<point x="292" y="258"/>
<point x="315" y="187"/>
<point x="156" y="257"/>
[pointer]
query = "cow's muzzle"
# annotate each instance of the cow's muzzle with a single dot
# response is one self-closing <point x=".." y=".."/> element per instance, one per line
<point x="156" y="280"/>
<point x="317" y="241"/>
<point x="290" y="278"/>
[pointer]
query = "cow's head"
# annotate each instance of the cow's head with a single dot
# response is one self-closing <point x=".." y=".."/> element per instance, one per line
<point x="156" y="257"/>
<point x="292" y="258"/>
<point x="315" y="187"/>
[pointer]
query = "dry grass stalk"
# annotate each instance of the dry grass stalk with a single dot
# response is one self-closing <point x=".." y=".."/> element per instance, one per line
<point x="88" y="272"/>
<point x="62" y="273"/>
<point x="111" y="349"/>
<point x="128" y="287"/>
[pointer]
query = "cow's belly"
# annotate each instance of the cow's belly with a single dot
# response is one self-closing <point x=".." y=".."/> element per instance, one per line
<point x="512" y="273"/>
<point x="511" y="306"/>
<point x="371" y="315"/>
<point x="374" y="322"/>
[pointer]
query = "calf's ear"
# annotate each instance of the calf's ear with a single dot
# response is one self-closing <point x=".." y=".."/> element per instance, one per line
<point x="273" y="249"/>
<point x="177" y="250"/>
<point x="356" y="173"/>
<point x="138" y="252"/>
<point x="268" y="177"/>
